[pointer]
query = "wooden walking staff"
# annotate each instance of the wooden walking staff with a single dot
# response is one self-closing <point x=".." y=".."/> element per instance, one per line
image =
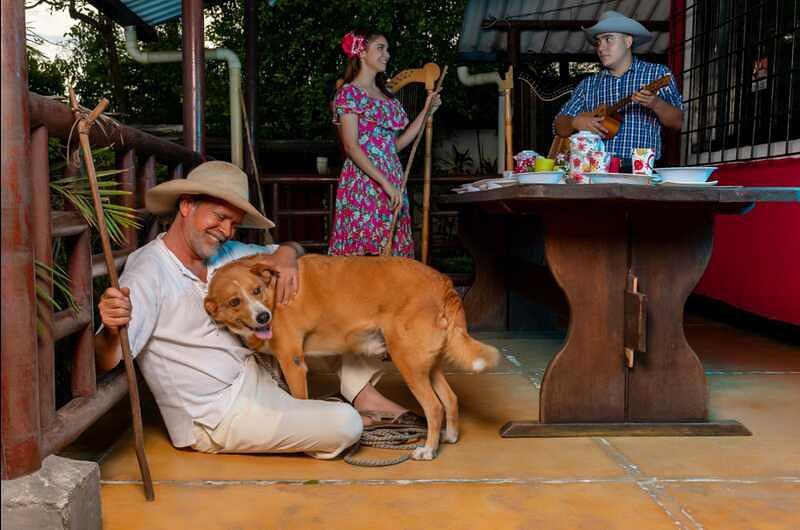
<point x="387" y="250"/>
<point x="84" y="126"/>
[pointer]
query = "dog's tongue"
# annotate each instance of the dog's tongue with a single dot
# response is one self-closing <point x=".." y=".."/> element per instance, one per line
<point x="264" y="333"/>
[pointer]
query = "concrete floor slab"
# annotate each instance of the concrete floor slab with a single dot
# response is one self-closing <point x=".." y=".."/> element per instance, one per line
<point x="723" y="347"/>
<point x="486" y="402"/>
<point x="766" y="404"/>
<point x="485" y="481"/>
<point x="764" y="505"/>
<point x="385" y="506"/>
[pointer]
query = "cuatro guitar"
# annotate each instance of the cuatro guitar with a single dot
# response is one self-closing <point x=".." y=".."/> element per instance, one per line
<point x="612" y="119"/>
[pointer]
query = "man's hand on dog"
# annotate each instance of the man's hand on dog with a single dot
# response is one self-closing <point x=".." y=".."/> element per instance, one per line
<point x="115" y="308"/>
<point x="284" y="262"/>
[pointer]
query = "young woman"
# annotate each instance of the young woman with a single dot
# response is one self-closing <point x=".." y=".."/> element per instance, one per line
<point x="371" y="128"/>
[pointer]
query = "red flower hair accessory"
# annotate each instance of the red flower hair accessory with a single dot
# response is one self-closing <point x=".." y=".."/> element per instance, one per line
<point x="352" y="45"/>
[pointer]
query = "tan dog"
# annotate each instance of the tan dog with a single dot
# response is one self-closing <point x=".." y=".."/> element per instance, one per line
<point x="356" y="305"/>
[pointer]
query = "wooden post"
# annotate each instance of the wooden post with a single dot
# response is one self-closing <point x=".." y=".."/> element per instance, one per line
<point x="508" y="86"/>
<point x="84" y="376"/>
<point x="43" y="246"/>
<point x="514" y="59"/>
<point x="251" y="74"/>
<point x="21" y="430"/>
<point x="175" y="172"/>
<point x="126" y="161"/>
<point x="146" y="179"/>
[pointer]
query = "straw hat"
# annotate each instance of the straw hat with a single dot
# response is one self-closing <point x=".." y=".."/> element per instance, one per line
<point x="222" y="180"/>
<point x="615" y="22"/>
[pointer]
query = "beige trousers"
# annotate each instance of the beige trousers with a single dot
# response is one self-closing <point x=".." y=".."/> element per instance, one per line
<point x="266" y="419"/>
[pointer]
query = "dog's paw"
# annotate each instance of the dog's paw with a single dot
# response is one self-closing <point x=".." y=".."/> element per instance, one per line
<point x="450" y="437"/>
<point x="424" y="453"/>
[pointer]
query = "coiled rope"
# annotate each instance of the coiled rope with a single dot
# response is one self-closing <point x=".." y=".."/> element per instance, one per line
<point x="399" y="438"/>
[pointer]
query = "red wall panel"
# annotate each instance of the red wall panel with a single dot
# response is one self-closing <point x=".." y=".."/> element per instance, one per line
<point x="755" y="264"/>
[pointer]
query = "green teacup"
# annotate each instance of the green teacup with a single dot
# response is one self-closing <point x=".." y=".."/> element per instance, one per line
<point x="543" y="164"/>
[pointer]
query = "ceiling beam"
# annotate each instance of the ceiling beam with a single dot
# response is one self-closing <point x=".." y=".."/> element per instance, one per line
<point x="528" y="57"/>
<point x="559" y="25"/>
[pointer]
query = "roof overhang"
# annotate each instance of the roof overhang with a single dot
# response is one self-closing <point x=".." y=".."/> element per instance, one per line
<point x="550" y="27"/>
<point x="143" y="14"/>
<point x="120" y="13"/>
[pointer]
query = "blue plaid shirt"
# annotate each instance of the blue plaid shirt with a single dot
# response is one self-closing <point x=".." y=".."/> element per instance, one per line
<point x="640" y="125"/>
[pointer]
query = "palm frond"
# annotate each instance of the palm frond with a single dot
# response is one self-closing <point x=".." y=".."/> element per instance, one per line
<point x="61" y="283"/>
<point x="76" y="190"/>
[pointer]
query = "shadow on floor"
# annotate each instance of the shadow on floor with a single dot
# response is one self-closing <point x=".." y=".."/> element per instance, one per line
<point x="485" y="481"/>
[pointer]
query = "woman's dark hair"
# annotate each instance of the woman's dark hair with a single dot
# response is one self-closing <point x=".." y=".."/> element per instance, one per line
<point x="354" y="64"/>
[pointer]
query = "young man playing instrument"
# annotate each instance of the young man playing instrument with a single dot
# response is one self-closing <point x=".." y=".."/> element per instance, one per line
<point x="614" y="37"/>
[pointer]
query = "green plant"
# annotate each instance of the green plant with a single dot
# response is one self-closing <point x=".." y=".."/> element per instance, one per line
<point x="485" y="166"/>
<point x="461" y="162"/>
<point x="56" y="275"/>
<point x="76" y="190"/>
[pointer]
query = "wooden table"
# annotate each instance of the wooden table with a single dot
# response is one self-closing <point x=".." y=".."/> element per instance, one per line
<point x="627" y="258"/>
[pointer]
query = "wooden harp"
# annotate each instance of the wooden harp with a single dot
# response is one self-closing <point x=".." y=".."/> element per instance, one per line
<point x="427" y="76"/>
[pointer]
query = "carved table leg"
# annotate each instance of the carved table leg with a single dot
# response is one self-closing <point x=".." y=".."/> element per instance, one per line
<point x="669" y="253"/>
<point x="587" y="389"/>
<point x="483" y="236"/>
<point x="586" y="253"/>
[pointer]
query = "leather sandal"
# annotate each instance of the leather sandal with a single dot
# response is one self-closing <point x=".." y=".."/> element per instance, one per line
<point x="387" y="420"/>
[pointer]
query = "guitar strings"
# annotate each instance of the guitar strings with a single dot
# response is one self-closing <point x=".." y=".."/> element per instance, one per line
<point x="546" y="96"/>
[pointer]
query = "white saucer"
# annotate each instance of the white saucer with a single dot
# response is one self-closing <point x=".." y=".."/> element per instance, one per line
<point x="688" y="184"/>
<point x="618" y="178"/>
<point x="540" y="177"/>
<point x="486" y="184"/>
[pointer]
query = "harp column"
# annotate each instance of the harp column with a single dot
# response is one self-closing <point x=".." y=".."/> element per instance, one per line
<point x="426" y="75"/>
<point x="426" y="185"/>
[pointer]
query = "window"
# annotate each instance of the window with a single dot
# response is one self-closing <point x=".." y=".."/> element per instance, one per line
<point x="741" y="81"/>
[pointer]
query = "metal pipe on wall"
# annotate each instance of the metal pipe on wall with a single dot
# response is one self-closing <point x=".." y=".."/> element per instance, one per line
<point x="488" y="78"/>
<point x="211" y="54"/>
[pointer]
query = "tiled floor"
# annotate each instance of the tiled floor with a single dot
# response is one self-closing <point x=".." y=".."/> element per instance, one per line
<point x="485" y="481"/>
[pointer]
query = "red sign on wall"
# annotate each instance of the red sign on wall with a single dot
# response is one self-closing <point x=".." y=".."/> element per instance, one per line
<point x="760" y="72"/>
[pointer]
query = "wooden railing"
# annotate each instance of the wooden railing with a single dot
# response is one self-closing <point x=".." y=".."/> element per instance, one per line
<point x="137" y="154"/>
<point x="41" y="427"/>
<point x="303" y="207"/>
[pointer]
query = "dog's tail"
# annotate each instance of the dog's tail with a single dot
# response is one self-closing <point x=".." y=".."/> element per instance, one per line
<point x="460" y="349"/>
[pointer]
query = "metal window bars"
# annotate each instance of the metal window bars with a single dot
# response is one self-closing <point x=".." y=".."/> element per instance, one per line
<point x="741" y="80"/>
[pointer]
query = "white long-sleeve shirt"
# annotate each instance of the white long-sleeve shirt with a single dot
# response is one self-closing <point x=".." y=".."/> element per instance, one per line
<point x="194" y="369"/>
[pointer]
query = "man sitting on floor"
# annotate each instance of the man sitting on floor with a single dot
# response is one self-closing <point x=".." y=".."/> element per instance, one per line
<point x="212" y="393"/>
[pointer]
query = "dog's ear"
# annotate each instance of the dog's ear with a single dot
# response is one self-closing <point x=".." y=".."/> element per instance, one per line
<point x="211" y="306"/>
<point x="263" y="270"/>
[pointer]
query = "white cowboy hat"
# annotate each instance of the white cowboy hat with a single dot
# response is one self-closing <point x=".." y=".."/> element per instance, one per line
<point x="614" y="22"/>
<point x="222" y="180"/>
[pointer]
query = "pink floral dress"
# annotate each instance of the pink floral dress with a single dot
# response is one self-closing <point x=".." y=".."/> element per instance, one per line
<point x="363" y="213"/>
